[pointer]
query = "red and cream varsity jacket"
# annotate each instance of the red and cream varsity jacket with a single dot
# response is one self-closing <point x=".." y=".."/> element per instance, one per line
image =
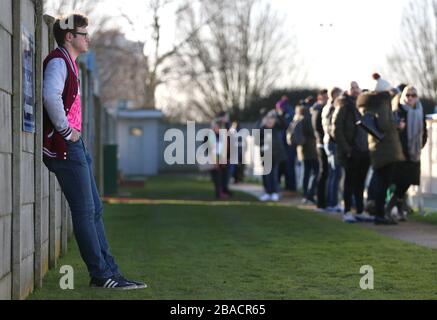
<point x="60" y="90"/>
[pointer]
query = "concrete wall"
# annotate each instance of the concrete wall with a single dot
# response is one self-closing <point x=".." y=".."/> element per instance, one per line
<point x="25" y="234"/>
<point x="43" y="259"/>
<point x="5" y="148"/>
<point x="35" y="221"/>
<point x="27" y="244"/>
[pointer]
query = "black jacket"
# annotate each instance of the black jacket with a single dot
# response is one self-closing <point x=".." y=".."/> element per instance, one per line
<point x="351" y="139"/>
<point x="316" y="121"/>
<point x="279" y="152"/>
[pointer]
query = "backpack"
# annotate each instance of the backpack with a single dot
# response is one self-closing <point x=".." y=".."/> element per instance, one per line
<point x="295" y="134"/>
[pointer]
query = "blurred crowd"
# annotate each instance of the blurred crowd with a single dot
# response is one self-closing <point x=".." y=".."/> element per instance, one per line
<point x="360" y="150"/>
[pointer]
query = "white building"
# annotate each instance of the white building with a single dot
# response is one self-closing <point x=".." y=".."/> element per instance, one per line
<point x="137" y="135"/>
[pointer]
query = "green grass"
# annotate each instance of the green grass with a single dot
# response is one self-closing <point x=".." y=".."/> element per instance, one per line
<point x="245" y="250"/>
<point x="179" y="187"/>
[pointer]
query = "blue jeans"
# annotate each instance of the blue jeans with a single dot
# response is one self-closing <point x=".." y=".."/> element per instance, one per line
<point x="271" y="181"/>
<point x="334" y="176"/>
<point x="77" y="182"/>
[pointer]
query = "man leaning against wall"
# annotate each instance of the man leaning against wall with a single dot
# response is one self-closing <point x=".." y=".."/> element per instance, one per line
<point x="66" y="155"/>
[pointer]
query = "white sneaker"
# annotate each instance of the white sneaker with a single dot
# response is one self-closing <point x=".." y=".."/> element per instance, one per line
<point x="365" y="217"/>
<point x="308" y="202"/>
<point x="275" y="197"/>
<point x="403" y="216"/>
<point x="349" y="218"/>
<point x="265" y="197"/>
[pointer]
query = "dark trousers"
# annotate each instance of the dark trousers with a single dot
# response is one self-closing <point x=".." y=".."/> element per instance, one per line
<point x="226" y="177"/>
<point x="400" y="193"/>
<point x="354" y="183"/>
<point x="239" y="173"/>
<point x="407" y="174"/>
<point x="372" y="190"/>
<point x="384" y="178"/>
<point x="271" y="180"/>
<point x="401" y="190"/>
<point x="219" y="177"/>
<point x="310" y="176"/>
<point x="236" y="171"/>
<point x="290" y="168"/>
<point x="323" y="178"/>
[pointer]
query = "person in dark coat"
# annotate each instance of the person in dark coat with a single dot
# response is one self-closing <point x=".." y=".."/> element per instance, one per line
<point x="384" y="153"/>
<point x="413" y="135"/>
<point x="218" y="157"/>
<point x="352" y="152"/>
<point x="372" y="189"/>
<point x="236" y="169"/>
<point x="287" y="168"/>
<point x="224" y="122"/>
<point x="274" y="122"/>
<point x="307" y="153"/>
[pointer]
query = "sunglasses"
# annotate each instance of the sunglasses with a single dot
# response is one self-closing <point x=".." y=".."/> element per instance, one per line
<point x="411" y="95"/>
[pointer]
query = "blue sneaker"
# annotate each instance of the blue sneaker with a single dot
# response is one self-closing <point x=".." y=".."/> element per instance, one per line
<point x="112" y="283"/>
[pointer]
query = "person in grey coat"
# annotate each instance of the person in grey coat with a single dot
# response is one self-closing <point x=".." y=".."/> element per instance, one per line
<point x="413" y="134"/>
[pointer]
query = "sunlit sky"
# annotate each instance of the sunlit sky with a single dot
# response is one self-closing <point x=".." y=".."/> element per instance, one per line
<point x="357" y="44"/>
<point x="363" y="32"/>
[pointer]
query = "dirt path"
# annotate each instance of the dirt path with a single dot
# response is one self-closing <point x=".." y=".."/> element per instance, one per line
<point x="415" y="232"/>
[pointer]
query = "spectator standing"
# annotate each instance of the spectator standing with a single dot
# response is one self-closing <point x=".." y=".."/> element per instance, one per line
<point x="316" y="121"/>
<point x="384" y="153"/>
<point x="352" y="152"/>
<point x="334" y="169"/>
<point x="413" y="135"/>
<point x="272" y="138"/>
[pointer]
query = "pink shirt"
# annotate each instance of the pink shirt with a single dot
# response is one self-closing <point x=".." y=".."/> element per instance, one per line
<point x="75" y="115"/>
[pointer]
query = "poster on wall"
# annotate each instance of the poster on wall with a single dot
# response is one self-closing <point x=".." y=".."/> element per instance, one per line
<point x="28" y="56"/>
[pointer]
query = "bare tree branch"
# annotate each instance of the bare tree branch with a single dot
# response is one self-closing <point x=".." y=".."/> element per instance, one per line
<point x="235" y="58"/>
<point x="414" y="58"/>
